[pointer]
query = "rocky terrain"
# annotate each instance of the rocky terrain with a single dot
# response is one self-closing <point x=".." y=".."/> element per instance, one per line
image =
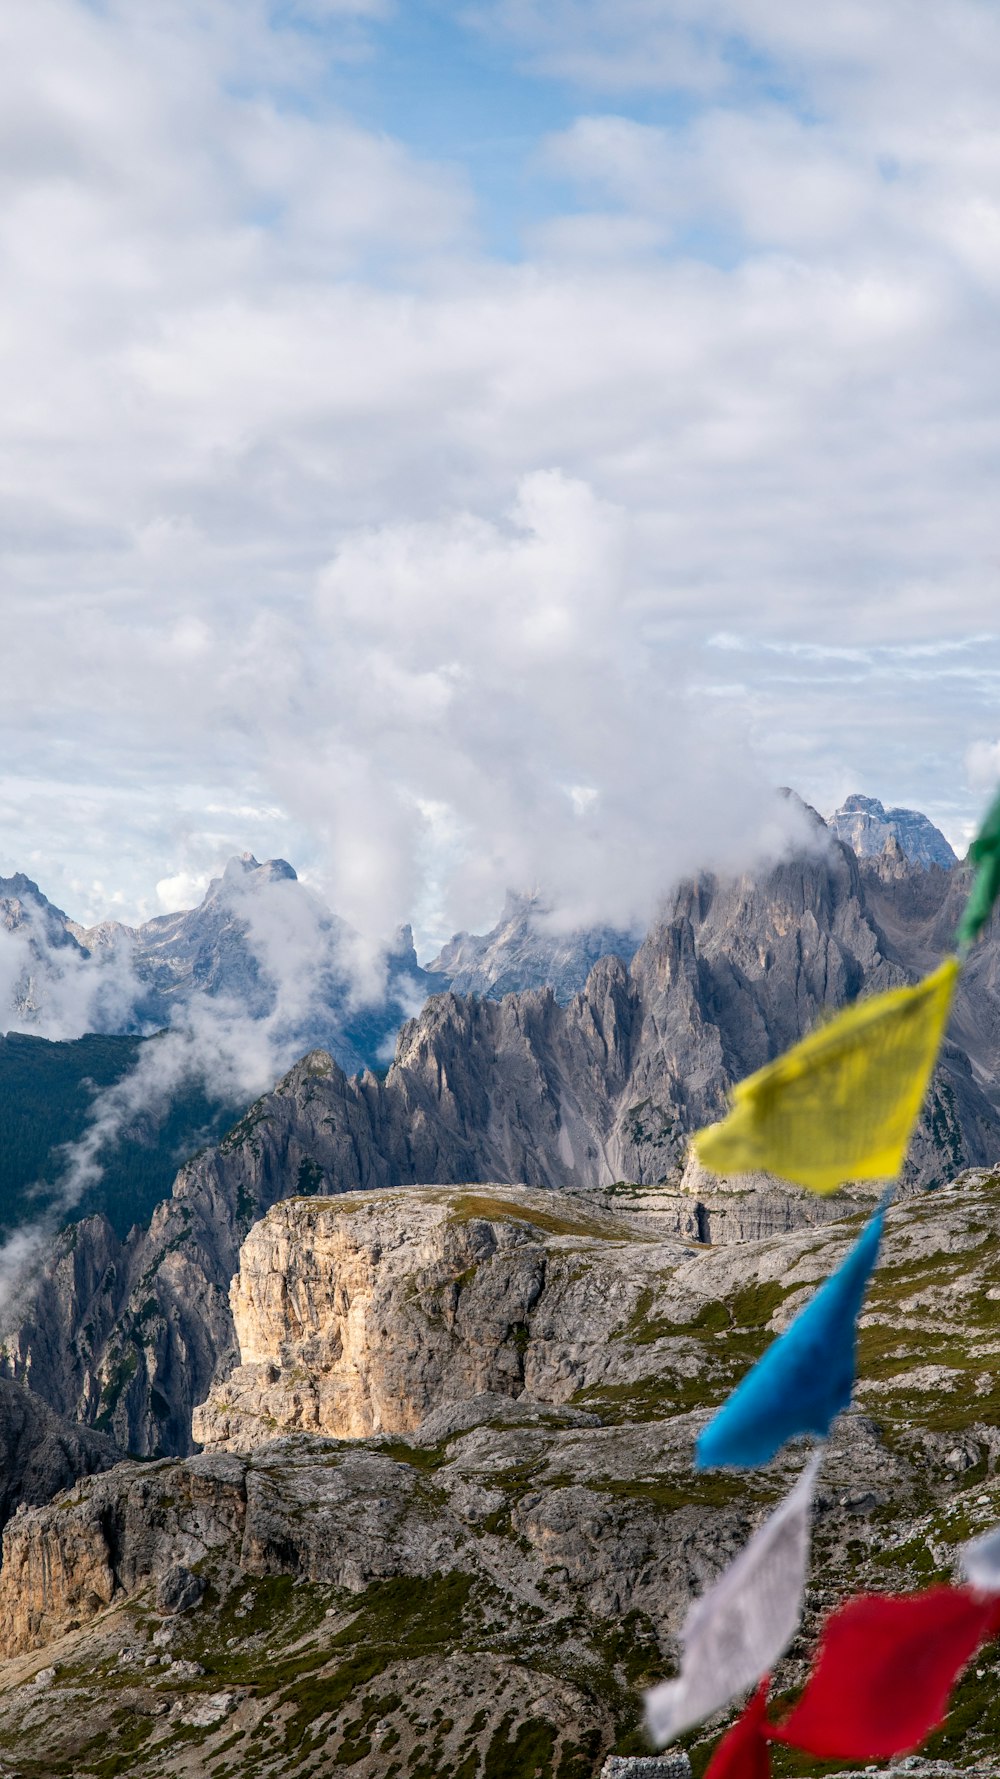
<point x="323" y="1306"/>
<point x="448" y="1523"/>
<point x="526" y="949"/>
<point x="865" y="824"/>
<point x="41" y="1453"/>
<point x="128" y="1336"/>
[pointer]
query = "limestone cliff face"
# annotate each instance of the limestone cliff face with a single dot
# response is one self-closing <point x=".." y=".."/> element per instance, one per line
<point x="130" y="1336"/>
<point x="361" y="1315"/>
<point x="365" y="1314"/>
<point x="502" y="1578"/>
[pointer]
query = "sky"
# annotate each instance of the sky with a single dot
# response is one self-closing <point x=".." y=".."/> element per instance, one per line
<point x="467" y="446"/>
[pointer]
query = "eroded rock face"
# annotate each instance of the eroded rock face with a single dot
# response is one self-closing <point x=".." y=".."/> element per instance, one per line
<point x="363" y="1314"/>
<point x="504" y="1579"/>
<point x="41" y="1452"/>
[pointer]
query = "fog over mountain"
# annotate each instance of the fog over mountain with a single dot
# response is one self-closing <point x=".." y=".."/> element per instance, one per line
<point x="606" y="1088"/>
<point x="260" y="947"/>
<point x="258" y="974"/>
<point x="263" y="946"/>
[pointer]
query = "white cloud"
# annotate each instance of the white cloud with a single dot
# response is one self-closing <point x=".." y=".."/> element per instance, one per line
<point x="319" y="518"/>
<point x="982" y="763"/>
<point x="57" y="991"/>
<point x="184" y="890"/>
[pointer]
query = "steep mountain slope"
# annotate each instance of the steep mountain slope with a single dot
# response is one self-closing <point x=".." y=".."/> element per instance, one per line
<point x="607" y="1089"/>
<point x="479" y="1591"/>
<point x="524" y="951"/>
<point x="41" y="1453"/>
<point x="864" y="824"/>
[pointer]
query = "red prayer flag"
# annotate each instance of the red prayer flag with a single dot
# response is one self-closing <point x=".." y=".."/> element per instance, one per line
<point x="885" y="1667"/>
<point x="743" y="1753"/>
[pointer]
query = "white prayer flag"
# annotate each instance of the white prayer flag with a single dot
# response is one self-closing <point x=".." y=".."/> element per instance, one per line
<point x="736" y="1632"/>
<point x="980" y="1562"/>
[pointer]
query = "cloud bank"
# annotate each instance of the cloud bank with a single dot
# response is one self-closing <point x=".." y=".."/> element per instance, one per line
<point x="334" y="531"/>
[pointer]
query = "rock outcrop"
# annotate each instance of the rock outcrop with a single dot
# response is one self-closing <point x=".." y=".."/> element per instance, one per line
<point x="487" y="1594"/>
<point x="526" y="949"/>
<point x="362" y="1314"/>
<point x="41" y="1453"/>
<point x="867" y="826"/>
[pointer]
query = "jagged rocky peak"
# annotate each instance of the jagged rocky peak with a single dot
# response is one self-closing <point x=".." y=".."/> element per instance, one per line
<point x="23" y="906"/>
<point x="865" y="825"/>
<point x="244" y="866"/>
<point x="526" y="949"/>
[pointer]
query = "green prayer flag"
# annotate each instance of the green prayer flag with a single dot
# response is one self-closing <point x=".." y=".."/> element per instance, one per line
<point x="984" y="853"/>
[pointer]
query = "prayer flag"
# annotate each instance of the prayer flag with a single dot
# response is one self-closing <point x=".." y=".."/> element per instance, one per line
<point x="806" y="1376"/>
<point x="980" y="1562"/>
<point x="985" y="855"/>
<point x="743" y="1623"/>
<point x="885" y="1668"/>
<point x="744" y="1753"/>
<point x="841" y="1104"/>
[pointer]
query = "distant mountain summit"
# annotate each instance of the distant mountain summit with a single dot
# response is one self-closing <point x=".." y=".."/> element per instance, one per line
<point x="524" y="951"/>
<point x="24" y="909"/>
<point x="40" y="952"/>
<point x="865" y="825"/>
<point x="220" y="948"/>
<point x="266" y="945"/>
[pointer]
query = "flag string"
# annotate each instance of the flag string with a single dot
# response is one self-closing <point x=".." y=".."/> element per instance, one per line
<point x="840" y="1105"/>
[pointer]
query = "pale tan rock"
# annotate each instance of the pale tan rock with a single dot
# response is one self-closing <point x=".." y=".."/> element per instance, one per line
<point x="53" y="1574"/>
<point x="365" y="1313"/>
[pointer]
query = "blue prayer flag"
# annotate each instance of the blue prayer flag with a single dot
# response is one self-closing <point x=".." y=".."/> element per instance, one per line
<point x="805" y="1378"/>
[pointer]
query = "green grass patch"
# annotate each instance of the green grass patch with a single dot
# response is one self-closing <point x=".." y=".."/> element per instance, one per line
<point x="470" y="1206"/>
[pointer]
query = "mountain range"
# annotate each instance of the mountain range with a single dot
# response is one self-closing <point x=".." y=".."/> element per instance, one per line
<point x="128" y="1335"/>
<point x="260" y="946"/>
<point x="265" y="947"/>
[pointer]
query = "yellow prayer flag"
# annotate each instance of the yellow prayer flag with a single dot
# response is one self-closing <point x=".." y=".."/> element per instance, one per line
<point x="841" y="1104"/>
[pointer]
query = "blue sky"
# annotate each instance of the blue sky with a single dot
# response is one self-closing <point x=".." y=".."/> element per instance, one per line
<point x="468" y="96"/>
<point x="461" y="447"/>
